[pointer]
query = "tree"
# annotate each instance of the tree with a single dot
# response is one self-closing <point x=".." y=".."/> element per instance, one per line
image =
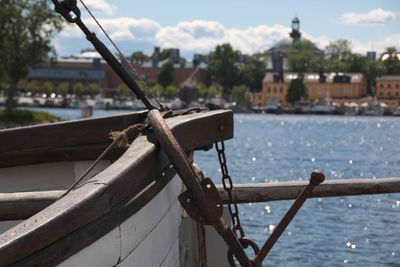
<point x="165" y="75"/>
<point x="92" y="89"/>
<point x="209" y="92"/>
<point x="335" y="65"/>
<point x="373" y="69"/>
<point x="139" y="57"/>
<point x="123" y="90"/>
<point x="63" y="88"/>
<point x="171" y="91"/>
<point x="222" y="66"/>
<point x="47" y="88"/>
<point x="239" y="93"/>
<point x="391" y="61"/>
<point x="33" y="86"/>
<point x="356" y="63"/>
<point x="3" y="85"/>
<point x="78" y="89"/>
<point x="165" y="53"/>
<point x="296" y="90"/>
<point x="304" y="56"/>
<point x="157" y="89"/>
<point x="252" y="73"/>
<point x="339" y="49"/>
<point x="26" y="28"/>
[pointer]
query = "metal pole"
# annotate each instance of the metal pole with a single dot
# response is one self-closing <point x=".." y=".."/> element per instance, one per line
<point x="317" y="177"/>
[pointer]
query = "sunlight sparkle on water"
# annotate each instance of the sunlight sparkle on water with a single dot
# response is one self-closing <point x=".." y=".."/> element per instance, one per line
<point x="271" y="228"/>
<point x="268" y="209"/>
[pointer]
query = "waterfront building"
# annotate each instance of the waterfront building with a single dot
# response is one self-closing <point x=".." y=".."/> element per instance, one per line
<point x="388" y="90"/>
<point x="338" y="87"/>
<point x="88" y="68"/>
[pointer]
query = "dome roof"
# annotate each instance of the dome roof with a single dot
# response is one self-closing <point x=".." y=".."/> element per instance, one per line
<point x="284" y="43"/>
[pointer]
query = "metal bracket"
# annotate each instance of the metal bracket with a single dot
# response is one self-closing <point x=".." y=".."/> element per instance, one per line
<point x="195" y="209"/>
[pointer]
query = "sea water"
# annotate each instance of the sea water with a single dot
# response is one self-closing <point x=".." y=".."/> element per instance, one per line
<point x="336" y="231"/>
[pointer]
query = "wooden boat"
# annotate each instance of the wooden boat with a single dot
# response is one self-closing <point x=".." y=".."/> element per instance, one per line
<point x="127" y="213"/>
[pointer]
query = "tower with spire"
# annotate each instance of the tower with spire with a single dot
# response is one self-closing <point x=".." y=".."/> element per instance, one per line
<point x="295" y="34"/>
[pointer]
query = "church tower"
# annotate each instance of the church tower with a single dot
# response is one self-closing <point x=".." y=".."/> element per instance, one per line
<point x="295" y="34"/>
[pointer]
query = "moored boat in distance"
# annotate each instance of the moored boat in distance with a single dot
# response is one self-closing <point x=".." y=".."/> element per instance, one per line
<point x="321" y="107"/>
<point x="272" y="106"/>
<point x="396" y="112"/>
<point x="373" y="109"/>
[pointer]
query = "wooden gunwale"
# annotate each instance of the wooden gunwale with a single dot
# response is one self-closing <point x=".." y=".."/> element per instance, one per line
<point x="63" y="141"/>
<point x="55" y="227"/>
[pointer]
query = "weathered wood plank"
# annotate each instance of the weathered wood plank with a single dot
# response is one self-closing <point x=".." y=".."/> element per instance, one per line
<point x="263" y="192"/>
<point x="137" y="168"/>
<point x="59" y="154"/>
<point x="15" y="206"/>
<point x="69" y="133"/>
<point x="161" y="239"/>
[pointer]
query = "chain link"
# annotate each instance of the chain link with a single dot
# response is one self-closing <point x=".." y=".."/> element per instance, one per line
<point x="228" y="186"/>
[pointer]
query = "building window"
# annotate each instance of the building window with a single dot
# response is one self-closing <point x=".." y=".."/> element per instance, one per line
<point x="281" y="90"/>
<point x="275" y="90"/>
<point x="337" y="91"/>
<point x="397" y="93"/>
<point x="269" y="89"/>
<point x="351" y="91"/>
<point x="344" y="90"/>
<point x="320" y="90"/>
<point x="381" y="93"/>
<point x="389" y="94"/>
<point x="389" y="85"/>
<point x="397" y="85"/>
<point x="381" y="85"/>
<point x="259" y="97"/>
<point x="314" y="90"/>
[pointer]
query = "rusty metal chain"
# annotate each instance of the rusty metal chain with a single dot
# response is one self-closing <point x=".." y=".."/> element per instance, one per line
<point x="228" y="186"/>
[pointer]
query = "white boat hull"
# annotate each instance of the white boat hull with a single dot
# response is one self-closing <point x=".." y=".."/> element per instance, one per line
<point x="154" y="228"/>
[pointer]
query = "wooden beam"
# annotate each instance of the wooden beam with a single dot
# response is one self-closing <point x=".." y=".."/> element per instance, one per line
<point x="16" y="206"/>
<point x="263" y="192"/>
<point x="22" y="205"/>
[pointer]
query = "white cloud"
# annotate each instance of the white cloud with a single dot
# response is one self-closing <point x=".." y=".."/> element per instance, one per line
<point x="378" y="46"/>
<point x="374" y="17"/>
<point x="100" y="6"/>
<point x="200" y="36"/>
<point x="119" y="29"/>
<point x="203" y="36"/>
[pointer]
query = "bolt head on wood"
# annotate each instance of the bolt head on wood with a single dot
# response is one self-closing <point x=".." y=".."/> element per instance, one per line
<point x="317" y="177"/>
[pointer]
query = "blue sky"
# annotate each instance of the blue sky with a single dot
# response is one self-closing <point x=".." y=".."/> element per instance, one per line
<point x="250" y="26"/>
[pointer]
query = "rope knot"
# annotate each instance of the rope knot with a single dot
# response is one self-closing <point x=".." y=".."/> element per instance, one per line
<point x="122" y="139"/>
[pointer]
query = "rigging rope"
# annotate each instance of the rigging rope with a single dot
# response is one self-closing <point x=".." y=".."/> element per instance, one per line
<point x="121" y="139"/>
<point x="138" y="77"/>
